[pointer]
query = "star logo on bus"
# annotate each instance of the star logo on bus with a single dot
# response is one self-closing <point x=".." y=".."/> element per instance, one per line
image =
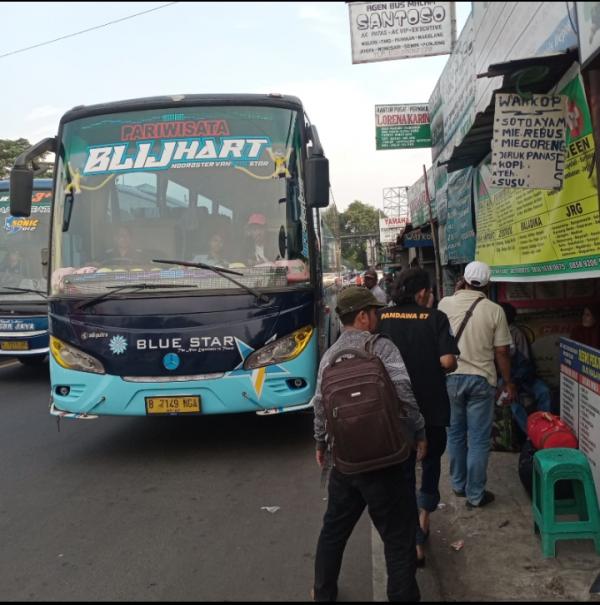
<point x="117" y="345"/>
<point x="257" y="377"/>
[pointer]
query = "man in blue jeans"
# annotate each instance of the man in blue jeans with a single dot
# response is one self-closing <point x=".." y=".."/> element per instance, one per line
<point x="484" y="341"/>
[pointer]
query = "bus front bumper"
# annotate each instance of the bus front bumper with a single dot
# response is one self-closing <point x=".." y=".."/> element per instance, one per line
<point x="271" y="390"/>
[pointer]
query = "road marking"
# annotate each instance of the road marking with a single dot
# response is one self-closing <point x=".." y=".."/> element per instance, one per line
<point x="8" y="364"/>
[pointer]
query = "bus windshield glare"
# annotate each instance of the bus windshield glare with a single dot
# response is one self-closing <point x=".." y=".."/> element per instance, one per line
<point x="220" y="185"/>
<point x="21" y="244"/>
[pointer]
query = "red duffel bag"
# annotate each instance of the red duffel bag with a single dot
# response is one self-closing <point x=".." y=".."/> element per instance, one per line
<point x="547" y="430"/>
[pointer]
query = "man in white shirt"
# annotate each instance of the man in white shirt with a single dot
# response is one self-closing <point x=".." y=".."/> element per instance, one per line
<point x="256" y="230"/>
<point x="370" y="280"/>
<point x="484" y="343"/>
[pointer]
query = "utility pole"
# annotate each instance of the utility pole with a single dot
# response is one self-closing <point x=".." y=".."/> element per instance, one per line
<point x="436" y="247"/>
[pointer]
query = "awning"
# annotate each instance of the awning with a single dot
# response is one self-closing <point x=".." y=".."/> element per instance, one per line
<point x="544" y="72"/>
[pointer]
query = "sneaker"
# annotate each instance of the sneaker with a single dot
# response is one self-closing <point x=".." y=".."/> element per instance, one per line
<point x="487" y="498"/>
<point x="460" y="493"/>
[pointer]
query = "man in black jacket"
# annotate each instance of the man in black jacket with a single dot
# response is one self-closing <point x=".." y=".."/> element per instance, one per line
<point x="427" y="345"/>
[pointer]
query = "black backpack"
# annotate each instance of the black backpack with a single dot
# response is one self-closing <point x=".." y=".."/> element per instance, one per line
<point x="366" y="426"/>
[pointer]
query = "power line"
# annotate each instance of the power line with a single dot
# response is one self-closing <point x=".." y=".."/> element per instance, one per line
<point x="89" y="29"/>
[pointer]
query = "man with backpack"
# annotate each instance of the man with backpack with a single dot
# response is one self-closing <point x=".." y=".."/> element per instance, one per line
<point x="368" y="421"/>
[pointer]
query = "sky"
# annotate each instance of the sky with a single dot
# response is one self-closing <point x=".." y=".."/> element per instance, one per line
<point x="295" y="48"/>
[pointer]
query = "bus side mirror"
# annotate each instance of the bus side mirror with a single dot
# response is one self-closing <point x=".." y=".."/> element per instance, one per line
<point x="317" y="172"/>
<point x="317" y="181"/>
<point x="21" y="190"/>
<point x="21" y="176"/>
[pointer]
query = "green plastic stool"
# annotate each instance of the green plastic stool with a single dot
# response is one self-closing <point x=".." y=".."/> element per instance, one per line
<point x="564" y="464"/>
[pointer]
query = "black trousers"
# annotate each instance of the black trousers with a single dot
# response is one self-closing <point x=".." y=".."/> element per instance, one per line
<point x="391" y="504"/>
<point x="428" y="496"/>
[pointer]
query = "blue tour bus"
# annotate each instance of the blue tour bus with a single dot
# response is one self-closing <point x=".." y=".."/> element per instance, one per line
<point x="185" y="256"/>
<point x="23" y="284"/>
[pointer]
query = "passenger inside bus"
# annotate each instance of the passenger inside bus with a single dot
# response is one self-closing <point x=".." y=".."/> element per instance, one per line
<point x="12" y="263"/>
<point x="123" y="249"/>
<point x="215" y="254"/>
<point x="257" y="249"/>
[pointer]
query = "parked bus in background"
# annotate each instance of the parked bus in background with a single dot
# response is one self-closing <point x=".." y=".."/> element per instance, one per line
<point x="23" y="284"/>
<point x="185" y="261"/>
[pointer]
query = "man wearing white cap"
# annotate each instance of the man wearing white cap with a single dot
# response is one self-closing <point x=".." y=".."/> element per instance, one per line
<point x="484" y="340"/>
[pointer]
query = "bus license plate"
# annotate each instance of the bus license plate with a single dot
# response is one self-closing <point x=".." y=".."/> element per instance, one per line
<point x="14" y="345"/>
<point x="173" y="405"/>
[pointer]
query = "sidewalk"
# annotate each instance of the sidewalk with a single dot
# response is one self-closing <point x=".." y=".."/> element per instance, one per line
<point x="502" y="557"/>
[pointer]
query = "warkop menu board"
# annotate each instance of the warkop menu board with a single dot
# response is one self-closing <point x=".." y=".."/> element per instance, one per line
<point x="535" y="234"/>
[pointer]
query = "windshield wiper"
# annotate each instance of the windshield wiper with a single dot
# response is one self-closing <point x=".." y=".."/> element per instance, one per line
<point x="29" y="290"/>
<point x="114" y="289"/>
<point x="219" y="271"/>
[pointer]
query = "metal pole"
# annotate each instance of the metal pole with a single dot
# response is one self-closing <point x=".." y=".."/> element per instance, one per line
<point x="436" y="252"/>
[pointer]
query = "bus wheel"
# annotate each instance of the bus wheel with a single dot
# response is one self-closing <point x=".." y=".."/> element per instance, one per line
<point x="33" y="360"/>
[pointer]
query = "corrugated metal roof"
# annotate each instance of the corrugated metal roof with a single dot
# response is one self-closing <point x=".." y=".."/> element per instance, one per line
<point x="478" y="141"/>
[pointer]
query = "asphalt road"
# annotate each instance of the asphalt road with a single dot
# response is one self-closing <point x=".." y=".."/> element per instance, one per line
<point x="160" y="508"/>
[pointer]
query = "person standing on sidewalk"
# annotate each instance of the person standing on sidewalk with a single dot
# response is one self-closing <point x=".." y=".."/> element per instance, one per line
<point x="427" y="345"/>
<point x="370" y="282"/>
<point x="484" y="340"/>
<point x="386" y="492"/>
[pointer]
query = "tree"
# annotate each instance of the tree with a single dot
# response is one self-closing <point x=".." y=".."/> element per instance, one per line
<point x="9" y="150"/>
<point x="361" y="221"/>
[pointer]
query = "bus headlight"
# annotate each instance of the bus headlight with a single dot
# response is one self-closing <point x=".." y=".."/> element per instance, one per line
<point x="283" y="349"/>
<point x="72" y="358"/>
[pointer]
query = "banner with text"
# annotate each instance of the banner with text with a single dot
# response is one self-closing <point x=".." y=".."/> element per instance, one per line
<point x="385" y="31"/>
<point x="390" y="228"/>
<point x="528" y="148"/>
<point x="580" y="399"/>
<point x="538" y="235"/>
<point x="418" y="239"/>
<point x="417" y="200"/>
<point x="402" y="126"/>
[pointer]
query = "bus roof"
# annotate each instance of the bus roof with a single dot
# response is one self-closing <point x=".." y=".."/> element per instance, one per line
<point x="37" y="184"/>
<point x="173" y="101"/>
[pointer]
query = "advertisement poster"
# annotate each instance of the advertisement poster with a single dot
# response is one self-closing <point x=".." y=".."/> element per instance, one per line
<point x="538" y="235"/>
<point x="460" y="235"/>
<point x="417" y="200"/>
<point x="580" y="399"/>
<point x="402" y="126"/>
<point x="384" y="31"/>
<point x="452" y="102"/>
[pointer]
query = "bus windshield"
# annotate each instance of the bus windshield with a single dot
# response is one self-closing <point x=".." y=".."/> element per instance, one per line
<point x="21" y="244"/>
<point x="221" y="185"/>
